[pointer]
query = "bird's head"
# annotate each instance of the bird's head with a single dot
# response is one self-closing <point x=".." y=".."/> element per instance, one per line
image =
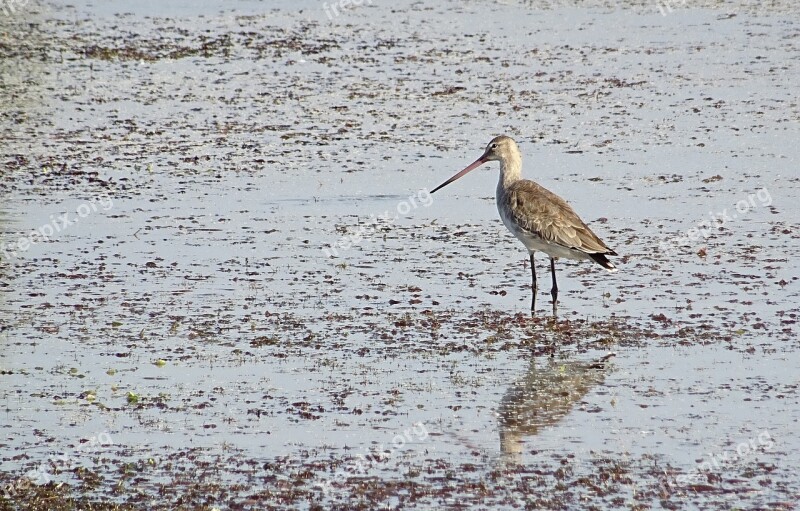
<point x="501" y="148"/>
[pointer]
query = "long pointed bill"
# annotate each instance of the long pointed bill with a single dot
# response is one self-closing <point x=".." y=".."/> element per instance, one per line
<point x="477" y="163"/>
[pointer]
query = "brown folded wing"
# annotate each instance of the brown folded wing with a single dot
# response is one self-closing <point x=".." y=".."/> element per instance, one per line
<point x="545" y="214"/>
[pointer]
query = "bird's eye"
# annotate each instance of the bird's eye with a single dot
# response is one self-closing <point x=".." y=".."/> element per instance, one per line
<point x="494" y="146"/>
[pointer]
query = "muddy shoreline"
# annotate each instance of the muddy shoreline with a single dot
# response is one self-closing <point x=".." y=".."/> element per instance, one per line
<point x="223" y="286"/>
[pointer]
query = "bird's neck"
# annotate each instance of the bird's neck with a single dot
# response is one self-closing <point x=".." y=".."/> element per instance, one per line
<point x="510" y="171"/>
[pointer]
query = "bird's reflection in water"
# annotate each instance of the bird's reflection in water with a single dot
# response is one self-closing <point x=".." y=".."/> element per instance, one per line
<point x="543" y="397"/>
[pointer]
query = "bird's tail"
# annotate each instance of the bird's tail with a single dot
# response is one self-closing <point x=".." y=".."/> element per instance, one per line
<point x="603" y="261"/>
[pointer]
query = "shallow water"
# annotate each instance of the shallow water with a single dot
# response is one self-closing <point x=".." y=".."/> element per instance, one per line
<point x="254" y="302"/>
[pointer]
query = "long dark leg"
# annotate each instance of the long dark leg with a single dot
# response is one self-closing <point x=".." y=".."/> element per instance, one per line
<point x="554" y="291"/>
<point x="533" y="284"/>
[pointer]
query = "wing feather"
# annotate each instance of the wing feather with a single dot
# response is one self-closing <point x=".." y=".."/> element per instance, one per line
<point x="543" y="213"/>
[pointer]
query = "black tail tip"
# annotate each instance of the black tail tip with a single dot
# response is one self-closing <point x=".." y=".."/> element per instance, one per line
<point x="603" y="261"/>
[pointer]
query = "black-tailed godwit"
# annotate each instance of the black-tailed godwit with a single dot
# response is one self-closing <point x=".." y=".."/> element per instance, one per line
<point x="540" y="219"/>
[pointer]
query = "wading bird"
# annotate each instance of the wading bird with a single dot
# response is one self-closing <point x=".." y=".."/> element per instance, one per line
<point x="540" y="219"/>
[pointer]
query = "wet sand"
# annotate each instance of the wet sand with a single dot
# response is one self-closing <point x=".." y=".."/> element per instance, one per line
<point x="241" y="295"/>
